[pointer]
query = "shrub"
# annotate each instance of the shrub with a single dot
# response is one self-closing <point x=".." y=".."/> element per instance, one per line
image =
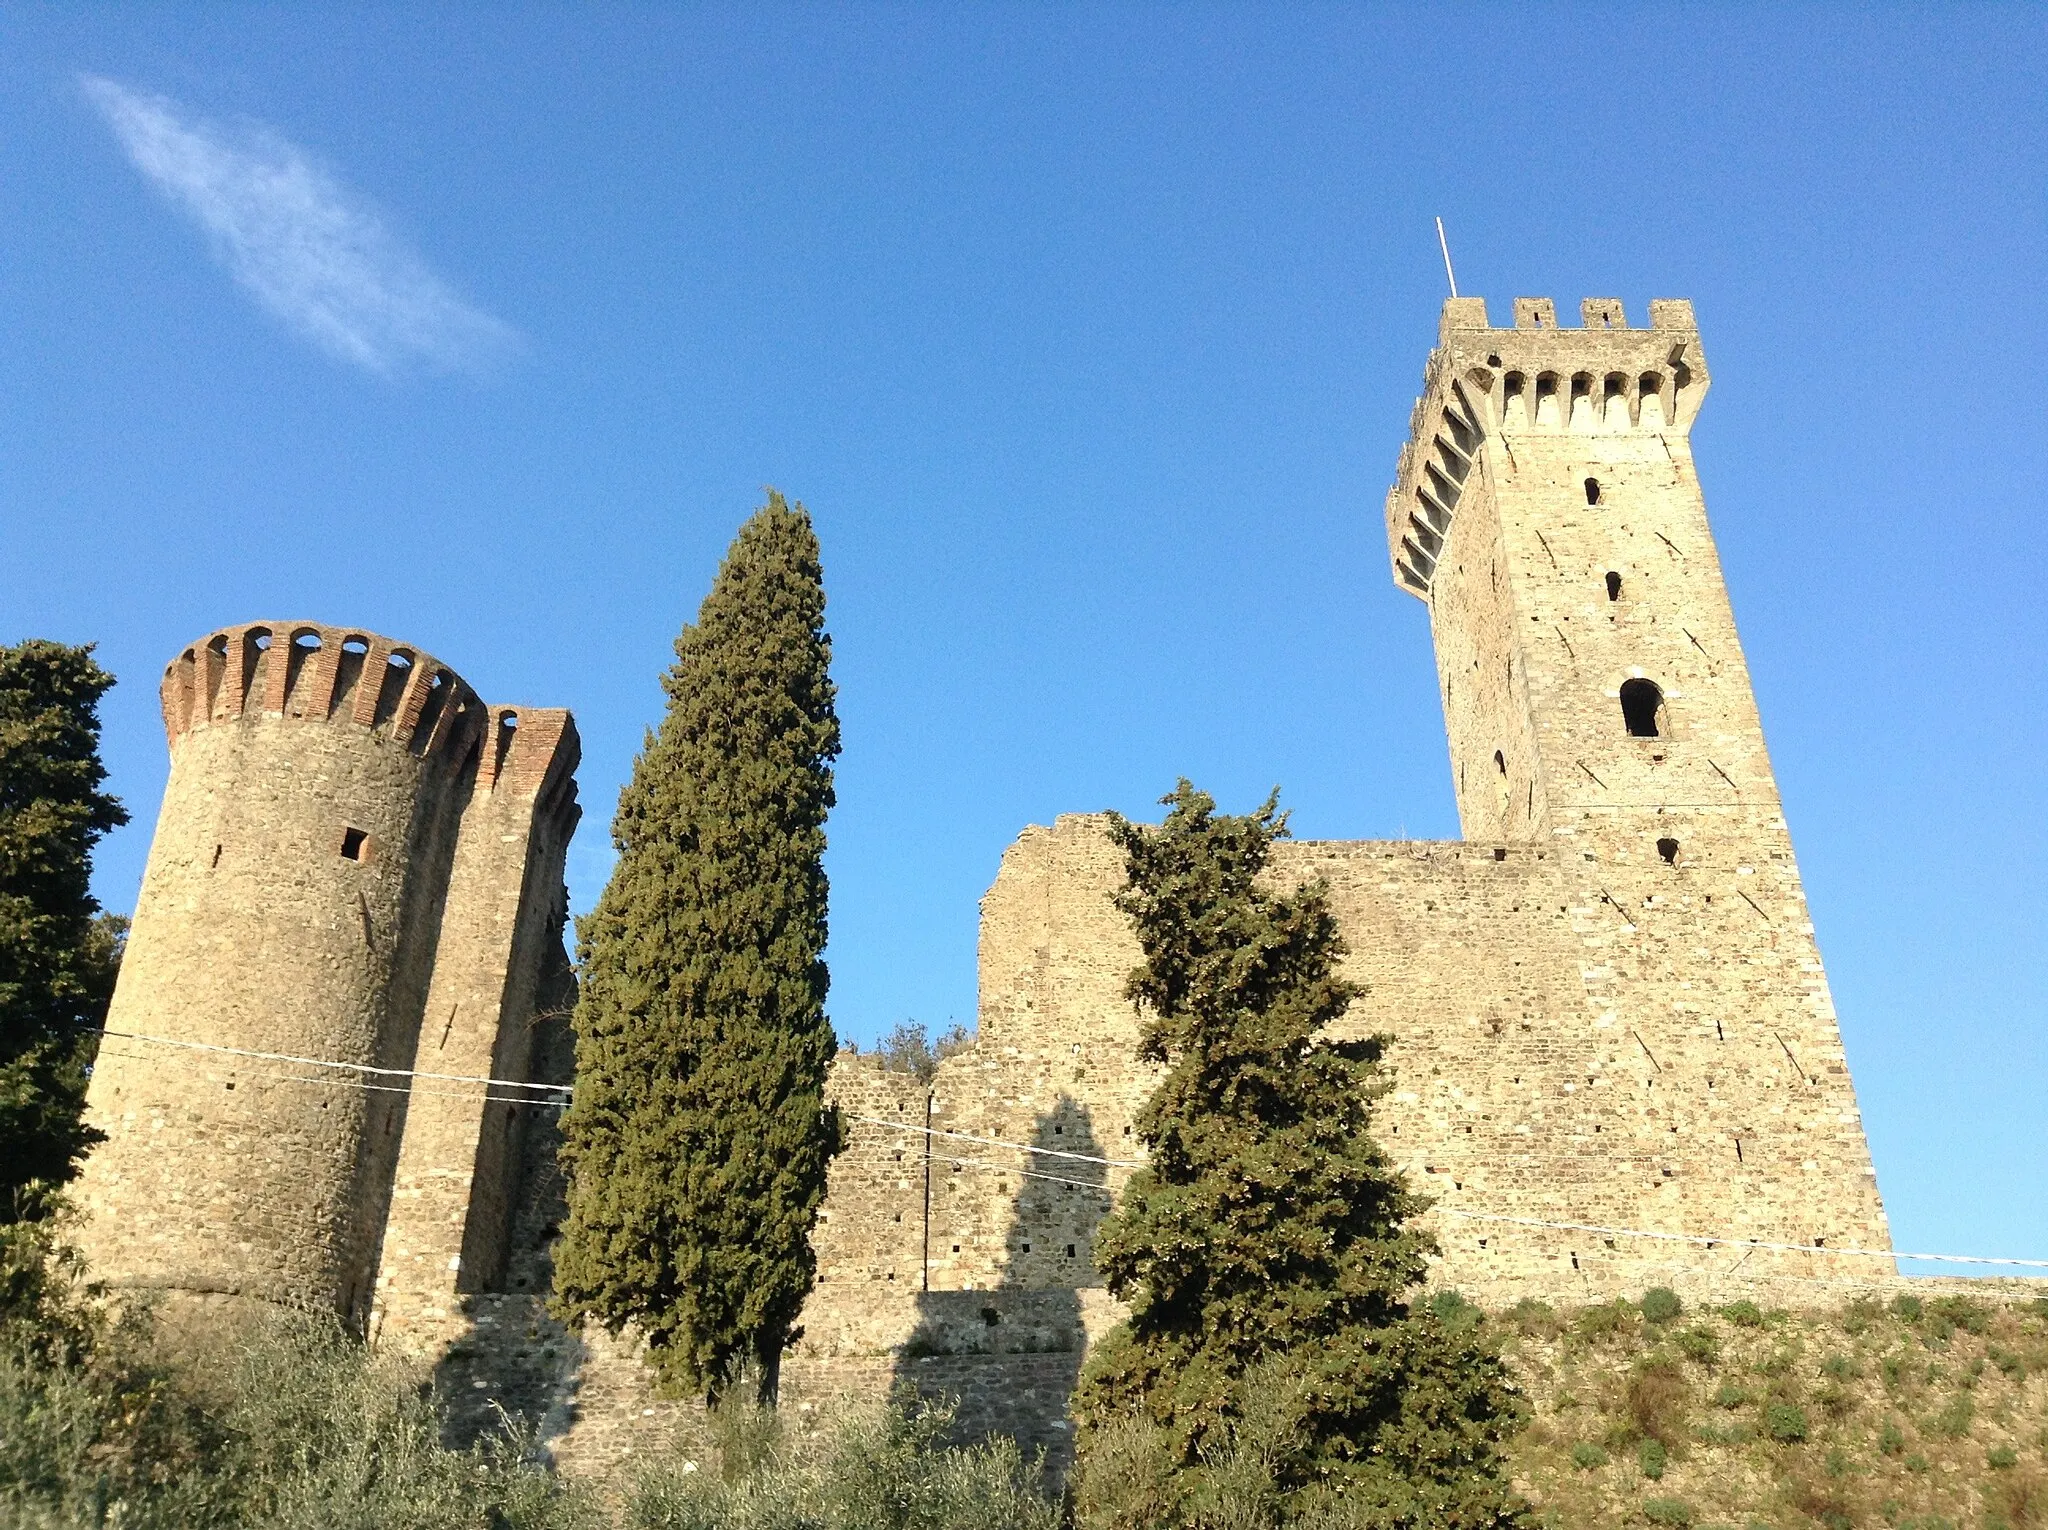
<point x="1965" y="1312"/>
<point x="1533" y="1319"/>
<point x="1605" y="1320"/>
<point x="1838" y="1367"/>
<point x="1907" y="1307"/>
<point x="1744" y="1314"/>
<point x="1859" y="1315"/>
<point x="1916" y="1462"/>
<point x="1653" y="1457"/>
<point x="1785" y="1423"/>
<point x="2012" y="1364"/>
<point x="2002" y="1459"/>
<point x="1732" y="1396"/>
<point x="1891" y="1439"/>
<point x="1953" y="1421"/>
<point x="1668" y="1511"/>
<point x="1656" y="1400"/>
<point x="1586" y="1456"/>
<point x="1454" y="1312"/>
<point x="880" y="1469"/>
<point x="1661" y="1305"/>
<point x="1700" y="1346"/>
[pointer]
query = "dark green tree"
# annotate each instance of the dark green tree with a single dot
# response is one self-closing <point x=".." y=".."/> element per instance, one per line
<point x="1267" y="1249"/>
<point x="58" y="952"/>
<point x="699" y="1136"/>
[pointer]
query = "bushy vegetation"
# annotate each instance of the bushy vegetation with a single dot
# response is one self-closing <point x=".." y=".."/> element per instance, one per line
<point x="908" y="1049"/>
<point x="1918" y="1414"/>
<point x="297" y="1427"/>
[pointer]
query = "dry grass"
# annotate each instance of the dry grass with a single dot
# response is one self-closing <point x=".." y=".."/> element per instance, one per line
<point x="1919" y="1416"/>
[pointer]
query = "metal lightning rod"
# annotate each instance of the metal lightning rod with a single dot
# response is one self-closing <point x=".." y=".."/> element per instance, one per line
<point x="1445" y="245"/>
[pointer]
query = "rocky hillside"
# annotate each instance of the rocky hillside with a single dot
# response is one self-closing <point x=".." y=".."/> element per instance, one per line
<point x="1920" y="1414"/>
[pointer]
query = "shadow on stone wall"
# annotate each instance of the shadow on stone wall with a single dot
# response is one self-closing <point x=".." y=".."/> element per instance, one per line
<point x="515" y="1364"/>
<point x="1009" y="1356"/>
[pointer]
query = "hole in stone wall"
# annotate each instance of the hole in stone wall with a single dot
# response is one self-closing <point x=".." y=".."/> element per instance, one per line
<point x="216" y="854"/>
<point x="1499" y="853"/>
<point x="1592" y="491"/>
<point x="1070" y="1250"/>
<point x="1642" y="708"/>
<point x="1668" y="848"/>
<point x="355" y="845"/>
<point x="1613" y="585"/>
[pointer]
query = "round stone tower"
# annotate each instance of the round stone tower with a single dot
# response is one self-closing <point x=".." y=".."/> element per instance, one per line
<point x="281" y="951"/>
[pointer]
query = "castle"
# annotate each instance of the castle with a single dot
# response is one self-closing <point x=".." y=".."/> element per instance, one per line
<point x="1608" y="1015"/>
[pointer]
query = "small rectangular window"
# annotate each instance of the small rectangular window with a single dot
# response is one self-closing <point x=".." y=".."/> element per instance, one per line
<point x="355" y="845"/>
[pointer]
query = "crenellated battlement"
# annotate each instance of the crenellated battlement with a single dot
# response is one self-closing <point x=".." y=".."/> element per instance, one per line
<point x="533" y="752"/>
<point x="318" y="673"/>
<point x="1600" y="379"/>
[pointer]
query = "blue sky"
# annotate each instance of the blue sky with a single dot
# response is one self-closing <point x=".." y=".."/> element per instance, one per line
<point x="1089" y="335"/>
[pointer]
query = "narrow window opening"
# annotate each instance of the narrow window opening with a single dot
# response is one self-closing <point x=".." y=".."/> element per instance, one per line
<point x="1499" y="853"/>
<point x="1613" y="585"/>
<point x="1718" y="1035"/>
<point x="1642" y="708"/>
<point x="1592" y="491"/>
<point x="216" y="854"/>
<point x="990" y="1317"/>
<point x="355" y="845"/>
<point x="1499" y="763"/>
<point x="1070" y="1250"/>
<point x="1668" y="848"/>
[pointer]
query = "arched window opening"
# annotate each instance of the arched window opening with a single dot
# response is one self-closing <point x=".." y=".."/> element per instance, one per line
<point x="1499" y="762"/>
<point x="1613" y="585"/>
<point x="1592" y="491"/>
<point x="1668" y="849"/>
<point x="1642" y="708"/>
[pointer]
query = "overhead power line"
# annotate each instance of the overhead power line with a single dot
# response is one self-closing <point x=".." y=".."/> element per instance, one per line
<point x="558" y="1094"/>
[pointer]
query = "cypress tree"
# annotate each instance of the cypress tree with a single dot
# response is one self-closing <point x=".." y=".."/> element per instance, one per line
<point x="699" y="1135"/>
<point x="58" y="952"/>
<point x="1267" y="1249"/>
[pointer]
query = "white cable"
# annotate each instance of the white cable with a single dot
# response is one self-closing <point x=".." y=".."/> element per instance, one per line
<point x="982" y="1163"/>
<point x="1115" y="1163"/>
<point x="904" y="1126"/>
<point x="257" y="1075"/>
<point x="1788" y="1248"/>
<point x="321" y="1062"/>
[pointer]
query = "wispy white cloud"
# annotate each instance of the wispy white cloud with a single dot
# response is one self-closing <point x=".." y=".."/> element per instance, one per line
<point x="310" y="250"/>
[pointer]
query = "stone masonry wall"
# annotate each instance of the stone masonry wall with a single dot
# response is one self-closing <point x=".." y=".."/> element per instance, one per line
<point x="300" y="904"/>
